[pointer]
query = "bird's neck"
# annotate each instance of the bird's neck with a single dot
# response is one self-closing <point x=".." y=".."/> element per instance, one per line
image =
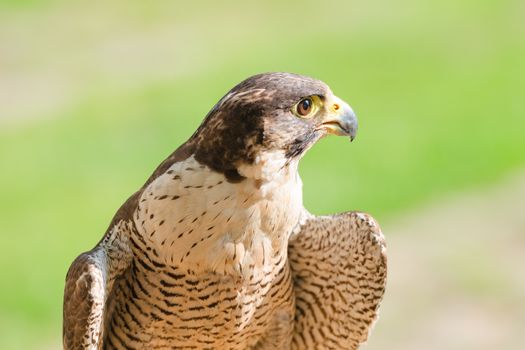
<point x="269" y="171"/>
<point x="194" y="217"/>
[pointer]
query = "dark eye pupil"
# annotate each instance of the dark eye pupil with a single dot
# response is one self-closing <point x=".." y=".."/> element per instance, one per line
<point x="304" y="106"/>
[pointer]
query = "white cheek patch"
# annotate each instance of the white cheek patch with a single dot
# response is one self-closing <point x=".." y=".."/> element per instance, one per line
<point x="266" y="167"/>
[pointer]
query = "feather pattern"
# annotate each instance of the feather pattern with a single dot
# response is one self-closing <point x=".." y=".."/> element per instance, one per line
<point x="339" y="271"/>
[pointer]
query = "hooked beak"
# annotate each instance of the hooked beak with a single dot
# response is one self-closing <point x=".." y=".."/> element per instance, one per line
<point x="340" y="120"/>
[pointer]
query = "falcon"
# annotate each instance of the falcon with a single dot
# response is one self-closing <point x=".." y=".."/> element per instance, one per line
<point x="216" y="250"/>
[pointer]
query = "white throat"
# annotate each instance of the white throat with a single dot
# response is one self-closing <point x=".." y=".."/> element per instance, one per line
<point x="194" y="217"/>
<point x="270" y="170"/>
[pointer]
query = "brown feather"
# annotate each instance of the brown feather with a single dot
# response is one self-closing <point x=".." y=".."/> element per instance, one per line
<point x="339" y="269"/>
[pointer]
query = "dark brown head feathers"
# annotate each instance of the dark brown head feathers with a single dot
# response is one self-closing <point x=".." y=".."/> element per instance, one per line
<point x="245" y="120"/>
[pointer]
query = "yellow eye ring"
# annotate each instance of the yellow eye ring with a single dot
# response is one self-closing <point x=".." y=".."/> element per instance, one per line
<point x="307" y="107"/>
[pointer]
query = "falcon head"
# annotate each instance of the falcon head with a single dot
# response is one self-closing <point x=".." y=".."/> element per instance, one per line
<point x="281" y="114"/>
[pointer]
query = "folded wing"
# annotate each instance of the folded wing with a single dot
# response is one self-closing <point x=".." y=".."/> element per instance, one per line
<point x="339" y="269"/>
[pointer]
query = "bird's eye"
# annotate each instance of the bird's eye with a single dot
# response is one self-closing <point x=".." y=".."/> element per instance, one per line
<point x="307" y="107"/>
<point x="304" y="107"/>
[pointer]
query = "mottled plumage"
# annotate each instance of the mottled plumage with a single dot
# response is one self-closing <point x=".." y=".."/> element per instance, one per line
<point x="216" y="251"/>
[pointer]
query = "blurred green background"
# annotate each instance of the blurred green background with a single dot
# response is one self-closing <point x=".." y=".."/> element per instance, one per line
<point x="94" y="94"/>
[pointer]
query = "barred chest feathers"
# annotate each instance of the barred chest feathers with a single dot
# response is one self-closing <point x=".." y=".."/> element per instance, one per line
<point x="193" y="217"/>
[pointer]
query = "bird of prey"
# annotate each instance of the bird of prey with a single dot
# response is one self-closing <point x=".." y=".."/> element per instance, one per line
<point x="216" y="250"/>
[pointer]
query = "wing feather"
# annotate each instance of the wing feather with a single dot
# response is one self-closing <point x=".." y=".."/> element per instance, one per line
<point x="84" y="298"/>
<point x="339" y="269"/>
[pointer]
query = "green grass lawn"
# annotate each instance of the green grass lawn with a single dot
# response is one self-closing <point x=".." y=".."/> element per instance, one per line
<point x="438" y="88"/>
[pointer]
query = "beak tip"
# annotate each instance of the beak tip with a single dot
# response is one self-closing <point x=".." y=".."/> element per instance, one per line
<point x="349" y="120"/>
